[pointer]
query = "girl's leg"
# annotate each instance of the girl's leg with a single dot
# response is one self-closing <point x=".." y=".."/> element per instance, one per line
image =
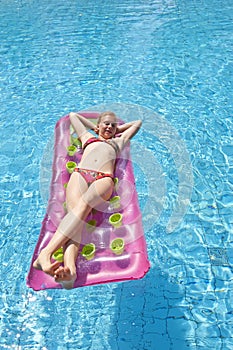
<point x="75" y="189"/>
<point x="80" y="203"/>
<point x="97" y="194"/>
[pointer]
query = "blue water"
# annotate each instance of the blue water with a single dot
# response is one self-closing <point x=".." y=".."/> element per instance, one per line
<point x="170" y="64"/>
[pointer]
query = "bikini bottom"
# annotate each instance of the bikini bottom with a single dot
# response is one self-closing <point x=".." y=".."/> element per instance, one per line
<point x="91" y="175"/>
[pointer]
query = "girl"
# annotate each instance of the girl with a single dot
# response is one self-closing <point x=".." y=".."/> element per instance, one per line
<point x="90" y="185"/>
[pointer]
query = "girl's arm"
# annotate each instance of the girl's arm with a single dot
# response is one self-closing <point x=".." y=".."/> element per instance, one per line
<point x="127" y="130"/>
<point x="81" y="124"/>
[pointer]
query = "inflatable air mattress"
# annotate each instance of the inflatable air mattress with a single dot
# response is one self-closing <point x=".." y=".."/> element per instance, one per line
<point x="113" y="246"/>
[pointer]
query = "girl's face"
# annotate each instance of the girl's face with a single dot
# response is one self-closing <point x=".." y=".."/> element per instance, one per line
<point x="107" y="127"/>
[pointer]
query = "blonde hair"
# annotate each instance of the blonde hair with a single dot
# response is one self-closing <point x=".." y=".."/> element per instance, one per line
<point x="104" y="114"/>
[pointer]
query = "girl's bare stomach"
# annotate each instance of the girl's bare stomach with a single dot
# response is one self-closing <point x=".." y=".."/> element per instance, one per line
<point x="99" y="159"/>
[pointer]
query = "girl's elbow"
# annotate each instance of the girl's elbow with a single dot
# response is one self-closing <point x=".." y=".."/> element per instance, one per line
<point x="138" y="123"/>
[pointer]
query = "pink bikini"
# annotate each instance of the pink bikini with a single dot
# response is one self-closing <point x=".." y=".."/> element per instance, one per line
<point x="92" y="175"/>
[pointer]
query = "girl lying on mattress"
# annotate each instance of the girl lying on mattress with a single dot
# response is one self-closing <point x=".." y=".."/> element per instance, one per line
<point x="90" y="185"/>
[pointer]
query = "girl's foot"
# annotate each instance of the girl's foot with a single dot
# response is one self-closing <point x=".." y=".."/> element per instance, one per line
<point x="65" y="277"/>
<point x="43" y="263"/>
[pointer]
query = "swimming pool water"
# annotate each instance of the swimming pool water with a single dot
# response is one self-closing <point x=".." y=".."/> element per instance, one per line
<point x="169" y="63"/>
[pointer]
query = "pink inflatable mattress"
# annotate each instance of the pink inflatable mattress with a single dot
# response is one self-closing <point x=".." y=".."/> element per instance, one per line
<point x="115" y="234"/>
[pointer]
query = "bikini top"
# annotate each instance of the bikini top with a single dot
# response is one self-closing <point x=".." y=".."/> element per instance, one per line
<point x="94" y="139"/>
